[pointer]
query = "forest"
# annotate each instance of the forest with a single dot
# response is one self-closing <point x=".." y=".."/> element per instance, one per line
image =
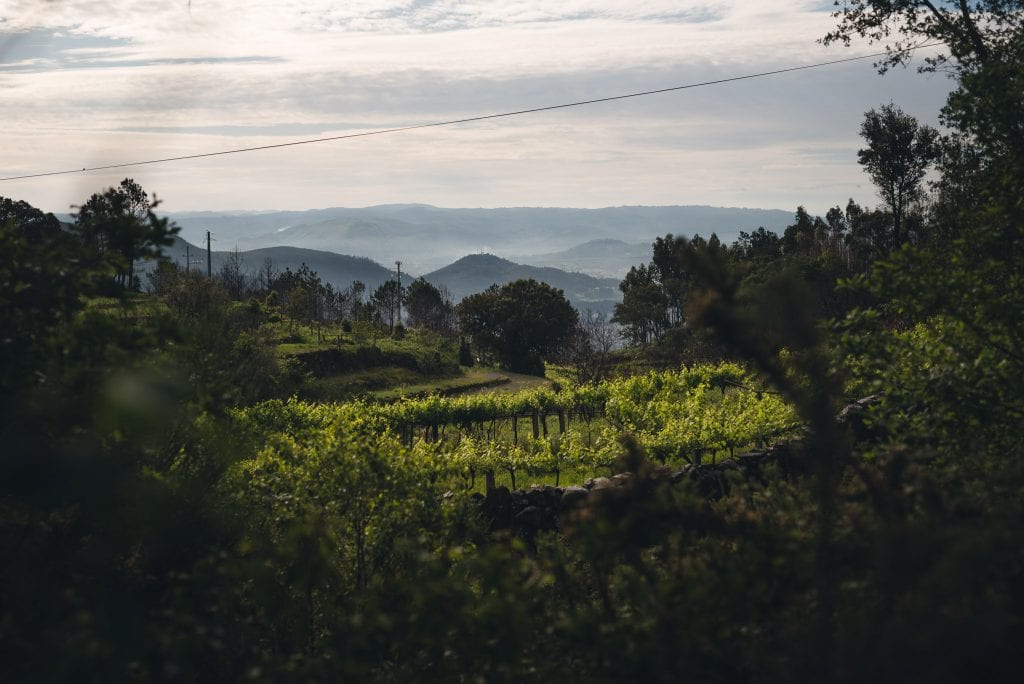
<point x="802" y="461"/>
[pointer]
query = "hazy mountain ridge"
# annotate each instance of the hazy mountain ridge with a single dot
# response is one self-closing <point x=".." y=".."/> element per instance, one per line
<point x="476" y="272"/>
<point x="337" y="269"/>
<point x="426" y="238"/>
<point x="468" y="275"/>
<point x="603" y="258"/>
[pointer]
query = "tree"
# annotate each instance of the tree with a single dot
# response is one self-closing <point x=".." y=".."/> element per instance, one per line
<point x="120" y="226"/>
<point x="642" y="311"/>
<point x="28" y="220"/>
<point x="43" y="280"/>
<point x="974" y="31"/>
<point x="231" y="276"/>
<point x="386" y="300"/>
<point x="428" y="307"/>
<point x="897" y="157"/>
<point x="655" y="296"/>
<point x="673" y="279"/>
<point x="355" y="298"/>
<point x="761" y="244"/>
<point x="267" y="275"/>
<point x="983" y="50"/>
<point x="591" y="348"/>
<point x="520" y="322"/>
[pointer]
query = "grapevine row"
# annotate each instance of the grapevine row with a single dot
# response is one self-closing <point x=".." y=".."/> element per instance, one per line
<point x="675" y="416"/>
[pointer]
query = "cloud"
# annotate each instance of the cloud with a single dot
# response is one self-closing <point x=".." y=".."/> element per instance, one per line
<point x="89" y="82"/>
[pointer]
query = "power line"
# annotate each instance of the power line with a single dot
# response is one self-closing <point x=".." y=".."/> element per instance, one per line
<point x="452" y="122"/>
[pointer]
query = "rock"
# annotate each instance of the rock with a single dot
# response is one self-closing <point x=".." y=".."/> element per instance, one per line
<point x="498" y="507"/>
<point x="572" y="497"/>
<point x="602" y="483"/>
<point x="535" y="496"/>
<point x="855" y="415"/>
<point x="711" y="484"/>
<point x="621" y="478"/>
<point x="531" y="516"/>
<point x="552" y="496"/>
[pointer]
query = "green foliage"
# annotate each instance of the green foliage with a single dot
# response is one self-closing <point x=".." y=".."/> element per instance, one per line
<point x="43" y="281"/>
<point x="465" y="354"/>
<point x="983" y="52"/>
<point x="520" y="322"/>
<point x="120" y="228"/>
<point x="428" y="307"/>
<point x="898" y="154"/>
<point x="676" y="415"/>
<point x="343" y="470"/>
<point x="642" y="311"/>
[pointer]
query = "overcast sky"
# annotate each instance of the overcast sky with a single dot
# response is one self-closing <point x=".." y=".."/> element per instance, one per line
<point x="87" y="83"/>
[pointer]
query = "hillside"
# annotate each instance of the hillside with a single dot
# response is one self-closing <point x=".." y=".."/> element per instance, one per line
<point x="468" y="275"/>
<point x="337" y="269"/>
<point x="604" y="258"/>
<point x="477" y="272"/>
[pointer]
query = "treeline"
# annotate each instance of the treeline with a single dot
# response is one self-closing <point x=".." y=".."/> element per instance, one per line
<point x="815" y="252"/>
<point x="306" y="300"/>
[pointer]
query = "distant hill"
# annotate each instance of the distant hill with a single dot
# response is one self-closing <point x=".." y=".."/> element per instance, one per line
<point x="466" y="276"/>
<point x="425" y="238"/>
<point x="338" y="269"/>
<point x="605" y="258"/>
<point x="476" y="272"/>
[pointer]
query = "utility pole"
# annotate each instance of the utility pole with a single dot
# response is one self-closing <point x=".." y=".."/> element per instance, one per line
<point x="209" y="262"/>
<point x="188" y="259"/>
<point x="398" y="265"/>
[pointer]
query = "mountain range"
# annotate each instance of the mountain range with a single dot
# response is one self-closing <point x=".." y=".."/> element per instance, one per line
<point x="605" y="258"/>
<point x="426" y="238"/>
<point x="470" y="274"/>
<point x="337" y="269"/>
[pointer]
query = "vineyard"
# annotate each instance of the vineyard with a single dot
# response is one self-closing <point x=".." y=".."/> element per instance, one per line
<point x="687" y="416"/>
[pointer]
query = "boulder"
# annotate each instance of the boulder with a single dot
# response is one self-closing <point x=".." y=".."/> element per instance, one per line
<point x="535" y="496"/>
<point x="498" y="507"/>
<point x="532" y="517"/>
<point x="572" y="497"/>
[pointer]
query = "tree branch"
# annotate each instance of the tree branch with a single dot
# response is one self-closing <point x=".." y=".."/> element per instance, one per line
<point x="972" y="30"/>
<point x="969" y="32"/>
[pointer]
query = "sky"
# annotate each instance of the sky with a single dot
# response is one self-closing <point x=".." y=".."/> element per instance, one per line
<point x="96" y="82"/>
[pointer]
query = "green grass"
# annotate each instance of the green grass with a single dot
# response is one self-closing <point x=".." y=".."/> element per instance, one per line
<point x="471" y="379"/>
<point x="388" y="383"/>
<point x="348" y="385"/>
